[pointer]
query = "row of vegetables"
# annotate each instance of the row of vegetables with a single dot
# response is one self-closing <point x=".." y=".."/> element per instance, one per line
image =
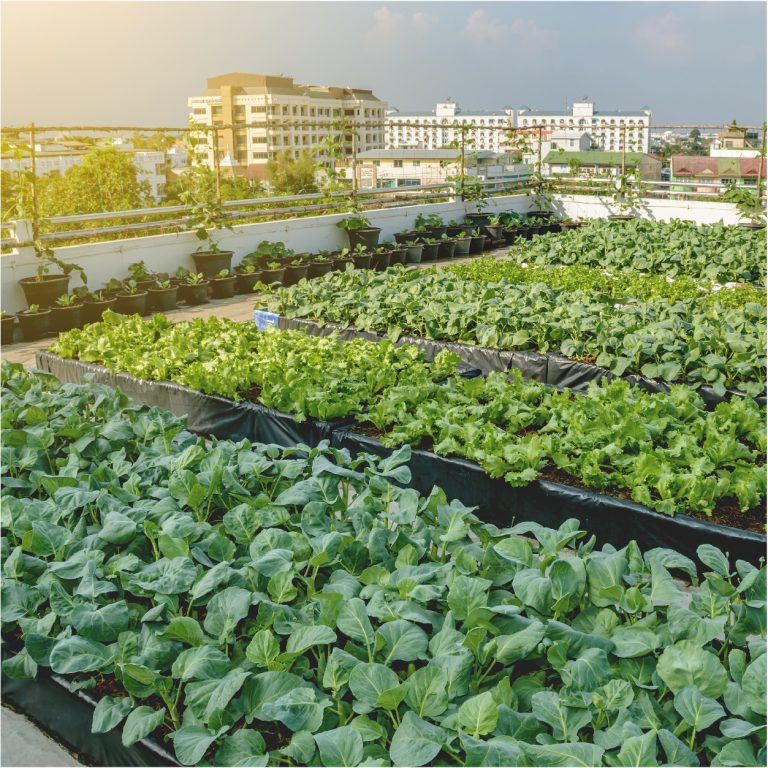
<point x="664" y="450"/>
<point x="721" y="344"/>
<point x="250" y="606"/>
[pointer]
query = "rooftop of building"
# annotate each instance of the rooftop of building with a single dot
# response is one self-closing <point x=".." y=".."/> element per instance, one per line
<point x="729" y="167"/>
<point x="463" y="113"/>
<point x="525" y="112"/>
<point x="256" y="84"/>
<point x="596" y="157"/>
<point x="421" y="154"/>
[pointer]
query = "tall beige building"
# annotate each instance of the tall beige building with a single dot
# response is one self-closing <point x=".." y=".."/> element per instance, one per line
<point x="279" y="114"/>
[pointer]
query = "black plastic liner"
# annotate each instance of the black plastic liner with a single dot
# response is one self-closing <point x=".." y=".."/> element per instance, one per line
<point x="67" y="717"/>
<point x="554" y="369"/>
<point x="206" y="414"/>
<point x="611" y="520"/>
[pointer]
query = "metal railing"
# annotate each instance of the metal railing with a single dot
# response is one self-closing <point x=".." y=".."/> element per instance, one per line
<point x="171" y="218"/>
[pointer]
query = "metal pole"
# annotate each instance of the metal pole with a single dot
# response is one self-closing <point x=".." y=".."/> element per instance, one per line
<point x="623" y="148"/>
<point x="760" y="165"/>
<point x="354" y="163"/>
<point x="538" y="163"/>
<point x="462" y="129"/>
<point x="216" y="163"/>
<point x="33" y="195"/>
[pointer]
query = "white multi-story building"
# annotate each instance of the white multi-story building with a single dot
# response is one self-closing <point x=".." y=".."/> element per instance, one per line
<point x="607" y="130"/>
<point x="440" y="128"/>
<point x="272" y="114"/>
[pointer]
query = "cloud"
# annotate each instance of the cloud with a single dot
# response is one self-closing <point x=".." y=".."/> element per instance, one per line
<point x="482" y="29"/>
<point x="662" y="35"/>
<point x="423" y="21"/>
<point x="387" y="23"/>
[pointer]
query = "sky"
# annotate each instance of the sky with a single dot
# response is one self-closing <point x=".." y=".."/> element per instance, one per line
<point x="136" y="63"/>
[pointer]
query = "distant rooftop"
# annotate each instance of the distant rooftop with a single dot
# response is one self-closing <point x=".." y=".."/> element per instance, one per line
<point x="594" y="157"/>
<point x="728" y="167"/>
<point x="524" y="112"/>
<point x="419" y="154"/>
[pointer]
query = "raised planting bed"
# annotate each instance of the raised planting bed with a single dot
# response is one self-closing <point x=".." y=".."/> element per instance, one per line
<point x="340" y="618"/>
<point x="700" y="344"/>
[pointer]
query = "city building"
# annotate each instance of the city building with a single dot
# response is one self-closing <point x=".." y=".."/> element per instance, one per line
<point x="704" y="174"/>
<point x="438" y="129"/>
<point x="273" y="114"/>
<point x="570" y="140"/>
<point x="387" y="168"/>
<point x="735" y="142"/>
<point x="59" y="156"/>
<point x="607" y="130"/>
<point x="599" y="163"/>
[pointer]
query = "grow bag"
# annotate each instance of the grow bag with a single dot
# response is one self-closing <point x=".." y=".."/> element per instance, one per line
<point x="67" y="717"/>
<point x="556" y="370"/>
<point x="610" y="519"/>
<point x="206" y="414"/>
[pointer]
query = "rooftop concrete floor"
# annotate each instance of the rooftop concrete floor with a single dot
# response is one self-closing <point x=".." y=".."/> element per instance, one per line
<point x="22" y="743"/>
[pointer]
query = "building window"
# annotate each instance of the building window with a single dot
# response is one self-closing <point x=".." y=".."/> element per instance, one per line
<point x="199" y="111"/>
<point x="398" y="163"/>
<point x="416" y="162"/>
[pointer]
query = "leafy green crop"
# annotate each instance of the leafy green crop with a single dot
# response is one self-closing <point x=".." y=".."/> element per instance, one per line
<point x="624" y="285"/>
<point x="711" y="251"/>
<point x="697" y="343"/>
<point x="666" y="450"/>
<point x="257" y="606"/>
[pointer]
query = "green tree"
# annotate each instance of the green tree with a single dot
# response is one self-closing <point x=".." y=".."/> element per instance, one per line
<point x="240" y="188"/>
<point x="106" y="180"/>
<point x="158" y="142"/>
<point x="292" y="176"/>
<point x="695" y="145"/>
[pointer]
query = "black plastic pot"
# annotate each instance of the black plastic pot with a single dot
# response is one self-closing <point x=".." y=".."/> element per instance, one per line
<point x="210" y="263"/>
<point x="269" y="276"/>
<point x="478" y="218"/>
<point x="45" y="290"/>
<point x="413" y="253"/>
<point x="66" y="318"/>
<point x="462" y="246"/>
<point x="438" y="232"/>
<point x="380" y="261"/>
<point x="163" y="299"/>
<point x="430" y="251"/>
<point x="340" y="265"/>
<point x="621" y="217"/>
<point x="7" y="328"/>
<point x="362" y="260"/>
<point x="456" y="231"/>
<point x="34" y="326"/>
<point x="404" y="237"/>
<point x="295" y="273"/>
<point x="447" y="248"/>
<point x="540" y="214"/>
<point x="477" y="244"/>
<point x="512" y="235"/>
<point x="367" y="237"/>
<point x="244" y="281"/>
<point x="319" y="268"/>
<point x="131" y="304"/>
<point x="223" y="287"/>
<point x="141" y="285"/>
<point x="196" y="293"/>
<point x="93" y="310"/>
<point x="494" y="231"/>
<point x="398" y="256"/>
<point x="750" y="225"/>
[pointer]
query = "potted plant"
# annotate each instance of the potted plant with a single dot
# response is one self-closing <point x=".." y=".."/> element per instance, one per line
<point x="130" y="300"/>
<point x="139" y="273"/>
<point x="447" y="247"/>
<point x="380" y="259"/>
<point x="112" y="287"/>
<point x="360" y="230"/>
<point x="66" y="313"/>
<point x="431" y="249"/>
<point x="273" y="273"/>
<point x="95" y="304"/>
<point x="223" y="285"/>
<point x="361" y="257"/>
<point x="247" y="275"/>
<point x="432" y="223"/>
<point x="296" y="269"/>
<point x="492" y="228"/>
<point x="163" y="295"/>
<point x="413" y="251"/>
<point x="408" y="236"/>
<point x="196" y="288"/>
<point x="320" y="264"/>
<point x="748" y="205"/>
<point x="7" y="327"/>
<point x="477" y="241"/>
<point x="205" y="216"/>
<point x="44" y="289"/>
<point x="463" y="241"/>
<point x="343" y="259"/>
<point x="626" y="194"/>
<point x="453" y="228"/>
<point x="34" y="322"/>
<point x="397" y="253"/>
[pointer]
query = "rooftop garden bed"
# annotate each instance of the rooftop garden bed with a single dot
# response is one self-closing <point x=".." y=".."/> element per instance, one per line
<point x="665" y="451"/>
<point x="252" y="606"/>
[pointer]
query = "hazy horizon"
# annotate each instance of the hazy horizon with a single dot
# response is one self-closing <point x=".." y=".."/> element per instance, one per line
<point x="136" y="63"/>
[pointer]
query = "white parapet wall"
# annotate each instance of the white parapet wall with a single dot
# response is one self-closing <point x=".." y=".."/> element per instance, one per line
<point x="165" y="253"/>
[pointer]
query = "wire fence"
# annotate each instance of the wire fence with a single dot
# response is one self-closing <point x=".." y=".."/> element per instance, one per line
<point x="336" y="144"/>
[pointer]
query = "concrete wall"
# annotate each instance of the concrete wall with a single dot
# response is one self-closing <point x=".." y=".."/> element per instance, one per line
<point x="164" y="253"/>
